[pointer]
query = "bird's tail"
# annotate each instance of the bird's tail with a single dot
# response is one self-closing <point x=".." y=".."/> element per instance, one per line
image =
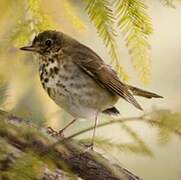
<point x="146" y="94"/>
<point x="136" y="92"/>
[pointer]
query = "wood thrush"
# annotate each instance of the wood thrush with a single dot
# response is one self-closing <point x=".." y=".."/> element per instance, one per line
<point x="78" y="80"/>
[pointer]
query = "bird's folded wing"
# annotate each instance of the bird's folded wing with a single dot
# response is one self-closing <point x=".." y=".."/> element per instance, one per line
<point x="93" y="65"/>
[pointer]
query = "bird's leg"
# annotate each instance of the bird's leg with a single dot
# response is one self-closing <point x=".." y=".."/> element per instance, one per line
<point x="91" y="146"/>
<point x="70" y="123"/>
<point x="59" y="133"/>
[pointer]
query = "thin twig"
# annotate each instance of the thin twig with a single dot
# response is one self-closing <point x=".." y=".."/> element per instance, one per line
<point x="138" y="118"/>
<point x="105" y="124"/>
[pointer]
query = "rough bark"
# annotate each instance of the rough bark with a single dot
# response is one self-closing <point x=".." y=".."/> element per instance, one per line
<point x="28" y="152"/>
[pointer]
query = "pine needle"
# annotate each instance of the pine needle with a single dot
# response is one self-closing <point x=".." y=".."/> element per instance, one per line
<point x="136" y="26"/>
<point x="32" y="21"/>
<point x="108" y="145"/>
<point x="72" y="14"/>
<point x="169" y="3"/>
<point x="3" y="93"/>
<point x="102" y="16"/>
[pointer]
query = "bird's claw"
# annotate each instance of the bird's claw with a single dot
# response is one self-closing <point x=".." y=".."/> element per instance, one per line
<point x="89" y="147"/>
<point x="54" y="133"/>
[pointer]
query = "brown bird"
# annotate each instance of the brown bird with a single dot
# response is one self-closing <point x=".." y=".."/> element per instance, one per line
<point x="78" y="80"/>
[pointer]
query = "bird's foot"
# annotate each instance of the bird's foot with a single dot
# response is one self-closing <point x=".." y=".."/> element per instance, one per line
<point x="54" y="133"/>
<point x="89" y="147"/>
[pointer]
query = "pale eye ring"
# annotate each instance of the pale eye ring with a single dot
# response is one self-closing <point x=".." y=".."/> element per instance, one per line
<point x="48" y="42"/>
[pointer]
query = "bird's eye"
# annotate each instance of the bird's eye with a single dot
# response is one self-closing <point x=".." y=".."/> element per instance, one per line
<point x="48" y="42"/>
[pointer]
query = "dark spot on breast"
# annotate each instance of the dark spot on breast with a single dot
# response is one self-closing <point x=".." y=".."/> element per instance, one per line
<point x="56" y="70"/>
<point x="75" y="94"/>
<point x="61" y="94"/>
<point x="58" y="49"/>
<point x="76" y="76"/>
<point x="41" y="76"/>
<point x="89" y="93"/>
<point x="51" y="60"/>
<point x="55" y="56"/>
<point x="51" y="71"/>
<point x="63" y="77"/>
<point x="43" y="84"/>
<point x="76" y="85"/>
<point x="60" y="85"/>
<point x="46" y="80"/>
<point x="65" y="66"/>
<point x="42" y="67"/>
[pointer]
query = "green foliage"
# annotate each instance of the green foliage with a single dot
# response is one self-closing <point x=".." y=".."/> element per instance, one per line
<point x="32" y="20"/>
<point x="25" y="109"/>
<point x="136" y="27"/>
<point x="170" y="3"/>
<point x="23" y="151"/>
<point x="73" y="15"/>
<point x="3" y="148"/>
<point x="102" y="15"/>
<point x="129" y="16"/>
<point x="29" y="166"/>
<point x="135" y="24"/>
<point x="137" y="146"/>
<point x="3" y="93"/>
<point x="108" y="145"/>
<point x="168" y="124"/>
<point x="140" y="144"/>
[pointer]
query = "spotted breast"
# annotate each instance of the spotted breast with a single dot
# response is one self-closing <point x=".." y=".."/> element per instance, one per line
<point x="73" y="89"/>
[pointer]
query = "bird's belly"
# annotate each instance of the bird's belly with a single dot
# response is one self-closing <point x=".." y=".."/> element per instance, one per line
<point x="79" y="94"/>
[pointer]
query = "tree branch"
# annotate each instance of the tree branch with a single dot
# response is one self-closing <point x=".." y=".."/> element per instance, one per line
<point x="34" y="146"/>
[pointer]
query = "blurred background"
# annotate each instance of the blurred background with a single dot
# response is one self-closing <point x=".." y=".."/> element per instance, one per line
<point x="150" y="151"/>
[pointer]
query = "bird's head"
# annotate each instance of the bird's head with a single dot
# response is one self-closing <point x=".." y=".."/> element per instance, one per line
<point x="48" y="42"/>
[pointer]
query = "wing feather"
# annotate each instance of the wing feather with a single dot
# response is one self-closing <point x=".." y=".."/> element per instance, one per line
<point x="93" y="65"/>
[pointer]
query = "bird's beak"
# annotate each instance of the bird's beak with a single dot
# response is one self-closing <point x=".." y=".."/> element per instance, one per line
<point x="28" y="48"/>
